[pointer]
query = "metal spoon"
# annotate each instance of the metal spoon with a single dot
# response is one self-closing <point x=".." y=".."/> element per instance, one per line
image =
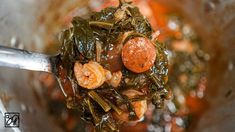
<point x="22" y="59"/>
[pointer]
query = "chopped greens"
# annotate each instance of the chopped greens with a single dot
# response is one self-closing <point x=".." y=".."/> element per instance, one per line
<point x="100" y="38"/>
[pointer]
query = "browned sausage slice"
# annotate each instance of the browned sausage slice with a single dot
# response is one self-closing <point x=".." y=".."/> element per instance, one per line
<point x="138" y="54"/>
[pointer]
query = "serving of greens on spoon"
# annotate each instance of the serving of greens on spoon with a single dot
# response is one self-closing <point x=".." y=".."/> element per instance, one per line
<point x="110" y="66"/>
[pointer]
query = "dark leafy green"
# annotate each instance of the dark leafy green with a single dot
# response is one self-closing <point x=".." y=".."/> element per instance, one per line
<point x="84" y="38"/>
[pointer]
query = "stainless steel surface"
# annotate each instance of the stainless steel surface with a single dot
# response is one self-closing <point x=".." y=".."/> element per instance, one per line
<point x="18" y="19"/>
<point x="22" y="59"/>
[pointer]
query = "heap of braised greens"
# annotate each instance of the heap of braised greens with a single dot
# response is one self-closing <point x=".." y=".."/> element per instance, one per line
<point x="106" y="29"/>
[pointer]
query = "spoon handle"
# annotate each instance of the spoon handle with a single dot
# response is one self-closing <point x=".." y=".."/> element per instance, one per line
<point x="22" y="59"/>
